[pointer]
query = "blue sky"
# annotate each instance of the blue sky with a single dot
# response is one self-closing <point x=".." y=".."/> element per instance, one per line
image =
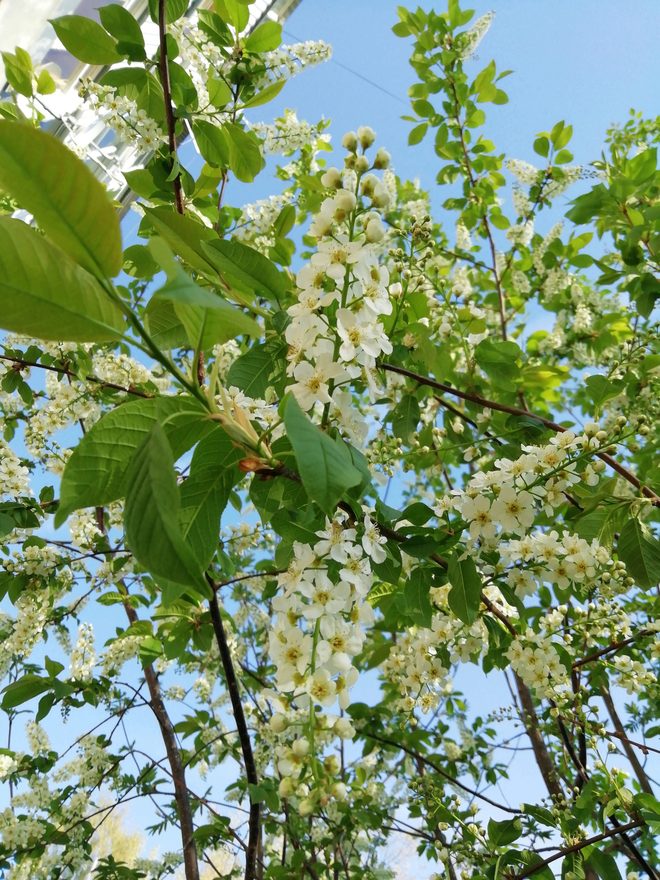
<point x="586" y="62"/>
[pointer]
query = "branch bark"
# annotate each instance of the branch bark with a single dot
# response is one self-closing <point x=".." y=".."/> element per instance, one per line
<point x="177" y="769"/>
<point x="170" y="121"/>
<point x="254" y="821"/>
<point x="634" y="761"/>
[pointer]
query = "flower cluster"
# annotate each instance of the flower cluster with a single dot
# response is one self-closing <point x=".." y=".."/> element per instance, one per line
<point x="131" y="124"/>
<point x="335" y="333"/>
<point x="318" y="629"/>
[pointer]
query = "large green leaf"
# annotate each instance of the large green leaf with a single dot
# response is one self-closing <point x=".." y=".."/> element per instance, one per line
<point x="164" y="325"/>
<point x="252" y="371"/>
<point x="206" y="317"/>
<point x="184" y="235"/>
<point x="244" y="148"/>
<point x="465" y="595"/>
<point x="324" y="464"/>
<point x="640" y="550"/>
<point x="265" y="37"/>
<point x="45" y="294"/>
<point x="85" y="39"/>
<point x="119" y="22"/>
<point x="97" y="472"/>
<point x="246" y="268"/>
<point x="500" y="360"/>
<point x="67" y="201"/>
<point x="152" y="514"/>
<point x="204" y="495"/>
<point x="174" y="9"/>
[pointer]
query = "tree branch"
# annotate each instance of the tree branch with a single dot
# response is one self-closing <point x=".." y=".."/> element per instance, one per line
<point x="170" y="121"/>
<point x="254" y="822"/>
<point x="635" y="763"/>
<point x="566" y="850"/>
<point x="518" y="411"/>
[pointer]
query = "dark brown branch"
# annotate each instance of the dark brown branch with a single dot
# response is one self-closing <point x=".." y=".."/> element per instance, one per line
<point x="429" y="763"/>
<point x="518" y="411"/>
<point x="181" y="794"/>
<point x="531" y="721"/>
<point x="634" y="761"/>
<point x="170" y="121"/>
<point x="609" y="649"/>
<point x="566" y="850"/>
<point x="20" y="364"/>
<point x="254" y="822"/>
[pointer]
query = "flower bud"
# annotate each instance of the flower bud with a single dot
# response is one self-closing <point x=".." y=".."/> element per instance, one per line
<point x="382" y="159"/>
<point x="287" y="787"/>
<point x="366" y="136"/>
<point x="374" y="229"/>
<point x="361" y="164"/>
<point x="331" y="178"/>
<point x="349" y="141"/>
<point x="339" y="791"/>
<point x="278" y="723"/>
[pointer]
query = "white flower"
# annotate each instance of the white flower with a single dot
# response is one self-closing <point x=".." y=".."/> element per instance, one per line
<point x="512" y="510"/>
<point x="311" y="385"/>
<point x="325" y="597"/>
<point x="361" y="336"/>
<point x="372" y="541"/>
<point x="321" y="688"/>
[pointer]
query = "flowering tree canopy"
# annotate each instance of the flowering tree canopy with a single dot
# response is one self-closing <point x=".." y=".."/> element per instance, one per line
<point x="286" y="489"/>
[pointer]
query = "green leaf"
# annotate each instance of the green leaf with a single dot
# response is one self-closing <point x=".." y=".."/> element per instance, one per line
<point x="67" y="201"/>
<point x="542" y="146"/>
<point x="465" y="595"/>
<point x="600" y="388"/>
<point x="152" y="514"/>
<point x="46" y="295"/>
<point x="251" y="372"/>
<point x="184" y="235"/>
<point x="265" y="37"/>
<point x="603" y="864"/>
<point x="405" y="417"/>
<point x="174" y="9"/>
<point x="416" y="134"/>
<point x="45" y="83"/>
<point x="206" y="317"/>
<point x="85" y="39"/>
<point x="505" y="832"/>
<point x="19" y="71"/>
<point x="219" y="92"/>
<point x="324" y="464"/>
<point x="204" y="495"/>
<point x="245" y="158"/>
<point x="96" y="473"/>
<point x="246" y="268"/>
<point x="499" y="360"/>
<point x="119" y="22"/>
<point x="27" y="687"/>
<point x="415" y="598"/>
<point x="164" y="325"/>
<point x="234" y="12"/>
<point x="640" y="550"/>
<point x="211" y="143"/>
<point x="263" y="96"/>
<point x="284" y="222"/>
